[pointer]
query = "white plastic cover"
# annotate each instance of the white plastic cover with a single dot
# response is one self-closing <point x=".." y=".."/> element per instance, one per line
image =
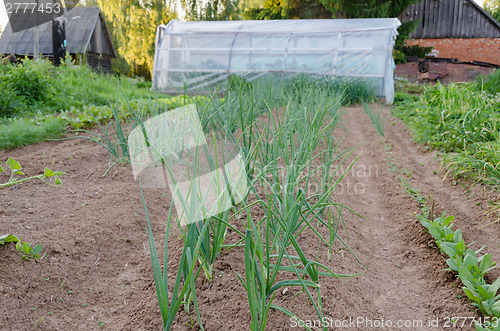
<point x="197" y="55"/>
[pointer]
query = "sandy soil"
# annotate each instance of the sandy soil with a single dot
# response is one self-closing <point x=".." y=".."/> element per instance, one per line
<point x="97" y="272"/>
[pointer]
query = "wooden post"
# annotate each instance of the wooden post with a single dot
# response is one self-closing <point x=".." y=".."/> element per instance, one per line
<point x="58" y="41"/>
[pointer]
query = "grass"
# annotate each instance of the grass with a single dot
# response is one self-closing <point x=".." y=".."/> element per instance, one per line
<point x="29" y="131"/>
<point x="39" y="101"/>
<point x="21" y="131"/>
<point x="39" y="86"/>
<point x="491" y="82"/>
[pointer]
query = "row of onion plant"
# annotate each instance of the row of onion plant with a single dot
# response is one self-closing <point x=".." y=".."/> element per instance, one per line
<point x="291" y="163"/>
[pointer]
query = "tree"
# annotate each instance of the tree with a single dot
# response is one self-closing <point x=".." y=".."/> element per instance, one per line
<point x="285" y="9"/>
<point x="493" y="8"/>
<point x="379" y="9"/>
<point x="276" y="9"/>
<point x="290" y="9"/>
<point x="133" y="24"/>
<point x="88" y="3"/>
<point x="212" y="10"/>
<point x="192" y="9"/>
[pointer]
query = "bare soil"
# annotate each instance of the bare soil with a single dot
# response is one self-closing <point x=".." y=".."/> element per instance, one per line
<point x="441" y="71"/>
<point x="97" y="271"/>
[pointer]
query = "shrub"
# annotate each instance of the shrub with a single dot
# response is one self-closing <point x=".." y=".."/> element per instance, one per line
<point x="38" y="86"/>
<point x="416" y="50"/>
<point x="32" y="83"/>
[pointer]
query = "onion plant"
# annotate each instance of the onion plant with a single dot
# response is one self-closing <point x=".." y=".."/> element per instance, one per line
<point x="291" y="163"/>
<point x="287" y="164"/>
<point x="184" y="285"/>
<point x="272" y="246"/>
<point x="259" y="286"/>
<point x="377" y="120"/>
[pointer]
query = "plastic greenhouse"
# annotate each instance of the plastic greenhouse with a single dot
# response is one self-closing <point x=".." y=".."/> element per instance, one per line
<point x="197" y="55"/>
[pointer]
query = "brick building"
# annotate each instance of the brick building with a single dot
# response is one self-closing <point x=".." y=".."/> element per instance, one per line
<point x="458" y="29"/>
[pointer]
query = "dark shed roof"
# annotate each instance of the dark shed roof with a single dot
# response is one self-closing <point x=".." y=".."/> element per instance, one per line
<point x="86" y="30"/>
<point x="451" y="19"/>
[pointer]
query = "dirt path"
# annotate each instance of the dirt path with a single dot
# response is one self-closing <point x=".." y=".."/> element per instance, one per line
<point x="97" y="271"/>
<point x="405" y="281"/>
<point x="468" y="203"/>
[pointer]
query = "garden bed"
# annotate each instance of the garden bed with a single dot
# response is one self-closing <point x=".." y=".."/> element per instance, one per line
<point x="97" y="270"/>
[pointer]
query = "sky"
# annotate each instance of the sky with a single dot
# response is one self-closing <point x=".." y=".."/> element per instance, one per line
<point x="3" y="15"/>
<point x="4" y="18"/>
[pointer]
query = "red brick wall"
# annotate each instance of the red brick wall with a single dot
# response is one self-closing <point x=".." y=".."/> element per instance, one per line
<point x="463" y="49"/>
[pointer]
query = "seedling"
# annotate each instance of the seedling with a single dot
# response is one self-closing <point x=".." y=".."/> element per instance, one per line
<point x="28" y="251"/>
<point x="470" y="267"/>
<point x="7" y="238"/>
<point x="192" y="323"/>
<point x="376" y="118"/>
<point x="15" y="169"/>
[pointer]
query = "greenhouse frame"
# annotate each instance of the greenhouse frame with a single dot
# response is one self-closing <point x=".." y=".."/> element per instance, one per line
<point x="194" y="56"/>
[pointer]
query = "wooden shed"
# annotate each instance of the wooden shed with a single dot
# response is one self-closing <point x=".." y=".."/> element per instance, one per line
<point x="88" y="39"/>
<point x="458" y="29"/>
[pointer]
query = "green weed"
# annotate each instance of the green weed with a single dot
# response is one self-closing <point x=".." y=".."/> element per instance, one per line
<point x="36" y="86"/>
<point x="29" y="252"/>
<point x="491" y="82"/>
<point x="408" y="87"/>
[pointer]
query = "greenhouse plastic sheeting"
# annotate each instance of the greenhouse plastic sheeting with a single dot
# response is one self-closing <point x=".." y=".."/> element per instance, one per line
<point x="197" y="55"/>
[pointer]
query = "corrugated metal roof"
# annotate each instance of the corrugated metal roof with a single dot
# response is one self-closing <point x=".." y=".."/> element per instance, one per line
<point x="451" y="19"/>
<point x="81" y="24"/>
